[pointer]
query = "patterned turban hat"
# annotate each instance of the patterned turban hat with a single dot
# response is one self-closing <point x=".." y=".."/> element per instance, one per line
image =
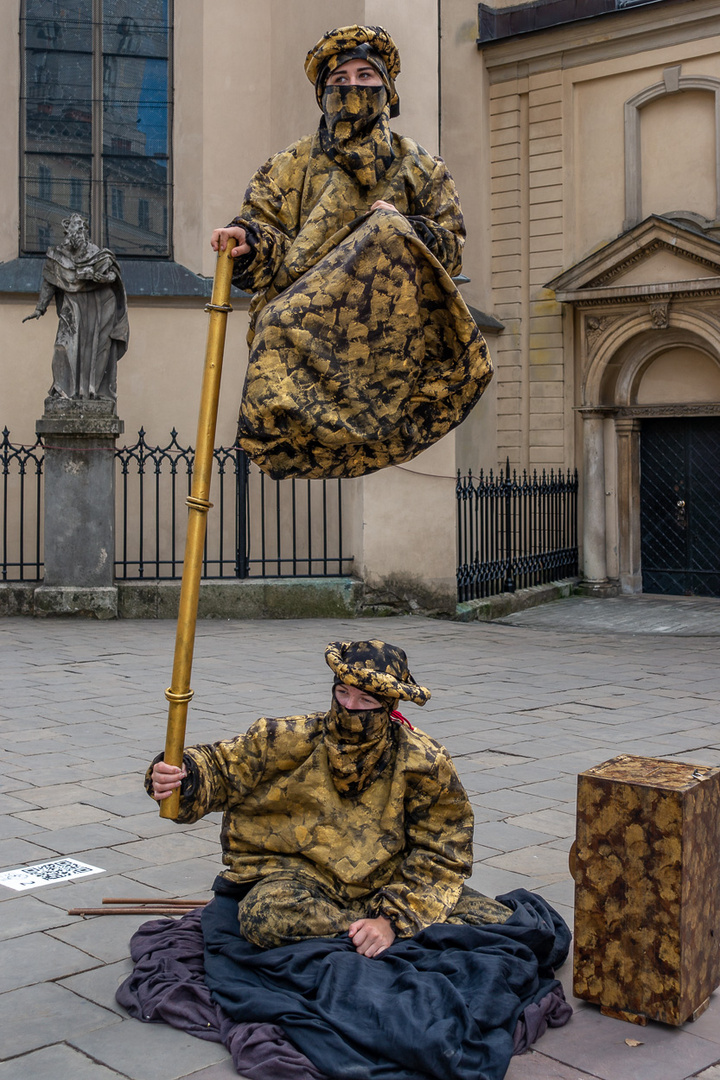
<point x="375" y="667"/>
<point x="370" y="43"/>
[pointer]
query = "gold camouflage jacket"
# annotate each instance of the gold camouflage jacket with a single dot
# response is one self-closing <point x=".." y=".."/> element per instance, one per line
<point x="301" y="199"/>
<point x="404" y="843"/>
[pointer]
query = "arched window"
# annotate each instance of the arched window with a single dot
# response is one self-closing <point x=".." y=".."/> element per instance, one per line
<point x="96" y="122"/>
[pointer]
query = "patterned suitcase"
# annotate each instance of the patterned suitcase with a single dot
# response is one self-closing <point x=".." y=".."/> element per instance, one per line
<point x="646" y="863"/>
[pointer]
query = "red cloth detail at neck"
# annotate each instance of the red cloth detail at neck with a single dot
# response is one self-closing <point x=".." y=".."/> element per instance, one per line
<point x="400" y="719"/>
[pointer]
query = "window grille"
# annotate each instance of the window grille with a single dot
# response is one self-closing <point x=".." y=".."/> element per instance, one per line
<point x="144" y="214"/>
<point x="118" y="203"/>
<point x="96" y="123"/>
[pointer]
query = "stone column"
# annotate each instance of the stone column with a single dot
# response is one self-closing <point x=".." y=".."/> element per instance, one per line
<point x="628" y="468"/>
<point x="79" y="517"/>
<point x="594" y="557"/>
<point x="403" y="522"/>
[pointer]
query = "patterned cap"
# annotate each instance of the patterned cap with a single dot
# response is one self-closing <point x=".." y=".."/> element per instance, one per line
<point x="347" y="42"/>
<point x="375" y="667"/>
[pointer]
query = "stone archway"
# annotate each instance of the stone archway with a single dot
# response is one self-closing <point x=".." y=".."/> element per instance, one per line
<point x="655" y="377"/>
<point x="642" y="305"/>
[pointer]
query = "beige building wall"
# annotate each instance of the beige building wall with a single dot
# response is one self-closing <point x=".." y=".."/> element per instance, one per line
<point x="592" y="128"/>
<point x="240" y="94"/>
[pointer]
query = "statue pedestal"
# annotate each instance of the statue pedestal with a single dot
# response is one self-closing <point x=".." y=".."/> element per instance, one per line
<point x="79" y="518"/>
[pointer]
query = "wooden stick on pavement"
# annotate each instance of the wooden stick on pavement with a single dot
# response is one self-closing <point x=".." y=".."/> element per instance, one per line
<point x="179" y="692"/>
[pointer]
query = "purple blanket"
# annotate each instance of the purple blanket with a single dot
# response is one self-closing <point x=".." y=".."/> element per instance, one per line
<point x="168" y="986"/>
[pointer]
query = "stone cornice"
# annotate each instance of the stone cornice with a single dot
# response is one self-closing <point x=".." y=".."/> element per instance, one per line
<point x="573" y="45"/>
<point x="660" y="244"/>
<point x="590" y="276"/>
<point x="650" y="412"/>
<point x="633" y="294"/>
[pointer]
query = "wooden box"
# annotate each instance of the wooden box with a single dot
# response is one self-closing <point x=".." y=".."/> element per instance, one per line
<point x="646" y="864"/>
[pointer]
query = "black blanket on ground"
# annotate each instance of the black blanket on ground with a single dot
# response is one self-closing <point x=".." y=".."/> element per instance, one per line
<point x="452" y="1003"/>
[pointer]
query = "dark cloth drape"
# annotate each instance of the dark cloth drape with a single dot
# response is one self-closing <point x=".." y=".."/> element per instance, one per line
<point x="452" y="1003"/>
<point x="443" y="1004"/>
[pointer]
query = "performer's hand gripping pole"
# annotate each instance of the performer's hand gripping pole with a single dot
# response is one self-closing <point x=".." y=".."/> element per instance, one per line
<point x="179" y="693"/>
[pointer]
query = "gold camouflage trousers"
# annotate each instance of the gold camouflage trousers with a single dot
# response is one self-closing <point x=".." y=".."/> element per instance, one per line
<point x="285" y="908"/>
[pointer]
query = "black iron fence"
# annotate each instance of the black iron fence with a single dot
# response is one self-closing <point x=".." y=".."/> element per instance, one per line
<point x="21" y="539"/>
<point x="258" y="528"/>
<point x="515" y="531"/>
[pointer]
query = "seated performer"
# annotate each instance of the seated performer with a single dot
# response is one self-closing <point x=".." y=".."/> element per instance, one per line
<point x="350" y="821"/>
<point x="362" y="351"/>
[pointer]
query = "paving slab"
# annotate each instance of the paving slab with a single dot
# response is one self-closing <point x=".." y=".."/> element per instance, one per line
<point x="540" y="862"/>
<point x="100" y="984"/>
<point x="224" y="1070"/>
<point x="534" y="1065"/>
<point x="41" y="1015"/>
<point x="20" y="915"/>
<point x="19" y="852"/>
<point x="597" y="1044"/>
<point x="38" y="958"/>
<point x="554" y="822"/>
<point x="523" y="708"/>
<point x="103" y="936"/>
<point x="56" y="1062"/>
<point x="149" y="1051"/>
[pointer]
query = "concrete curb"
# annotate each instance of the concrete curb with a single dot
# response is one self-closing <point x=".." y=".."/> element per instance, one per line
<point x="258" y="598"/>
<point x="495" y="607"/>
<point x="266" y="598"/>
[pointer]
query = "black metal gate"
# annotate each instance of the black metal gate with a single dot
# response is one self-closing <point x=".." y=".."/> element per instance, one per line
<point x="680" y="506"/>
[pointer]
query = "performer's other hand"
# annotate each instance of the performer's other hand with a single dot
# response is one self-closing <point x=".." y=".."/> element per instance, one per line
<point x="220" y="239"/>
<point x="372" y="936"/>
<point x="165" y="779"/>
<point x="382" y="205"/>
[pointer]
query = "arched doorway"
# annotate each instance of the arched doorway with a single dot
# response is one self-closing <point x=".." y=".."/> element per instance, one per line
<point x="661" y="394"/>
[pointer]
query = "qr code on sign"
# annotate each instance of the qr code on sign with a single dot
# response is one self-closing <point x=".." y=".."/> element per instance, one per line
<point x="59" y="870"/>
<point x="30" y="877"/>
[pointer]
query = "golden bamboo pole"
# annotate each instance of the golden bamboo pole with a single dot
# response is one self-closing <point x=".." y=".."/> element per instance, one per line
<point x="179" y="692"/>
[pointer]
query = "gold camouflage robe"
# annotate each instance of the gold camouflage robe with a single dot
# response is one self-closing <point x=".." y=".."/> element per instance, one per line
<point x="404" y="844"/>
<point x="362" y="351"/>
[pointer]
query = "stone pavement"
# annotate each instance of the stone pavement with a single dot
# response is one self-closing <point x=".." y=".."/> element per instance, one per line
<point x="523" y="708"/>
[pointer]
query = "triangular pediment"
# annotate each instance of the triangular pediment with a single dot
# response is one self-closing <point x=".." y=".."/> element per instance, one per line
<point x="658" y="257"/>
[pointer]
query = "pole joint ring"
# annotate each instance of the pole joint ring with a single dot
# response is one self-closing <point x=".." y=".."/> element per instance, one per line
<point x="224" y="309"/>
<point x="179" y="697"/>
<point x="198" y="504"/>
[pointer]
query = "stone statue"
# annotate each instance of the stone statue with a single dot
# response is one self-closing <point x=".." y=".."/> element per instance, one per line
<point x="92" y="309"/>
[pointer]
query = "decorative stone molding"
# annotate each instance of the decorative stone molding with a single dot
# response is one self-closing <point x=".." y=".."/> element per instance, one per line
<point x="595" y="327"/>
<point x="659" y="314"/>
<point x="639" y="412"/>
<point x="672" y="83"/>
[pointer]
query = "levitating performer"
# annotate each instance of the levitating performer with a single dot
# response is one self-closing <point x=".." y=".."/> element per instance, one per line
<point x="362" y="351"/>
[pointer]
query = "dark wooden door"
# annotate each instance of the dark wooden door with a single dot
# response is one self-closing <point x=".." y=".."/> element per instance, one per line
<point x="680" y="506"/>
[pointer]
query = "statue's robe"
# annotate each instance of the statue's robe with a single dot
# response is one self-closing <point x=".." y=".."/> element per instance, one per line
<point x="93" y="323"/>
<point x="362" y="351"/>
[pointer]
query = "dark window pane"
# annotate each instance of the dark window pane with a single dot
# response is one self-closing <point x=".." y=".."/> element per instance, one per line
<point x="139" y="228"/>
<point x="135" y="106"/>
<point x="58" y="107"/>
<point x="132" y="175"/>
<point x="53" y="187"/>
<point x="51" y="26"/>
<point x="132" y="29"/>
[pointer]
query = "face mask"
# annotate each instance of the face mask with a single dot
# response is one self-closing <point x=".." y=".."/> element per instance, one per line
<point x="350" y="111"/>
<point x="359" y="745"/>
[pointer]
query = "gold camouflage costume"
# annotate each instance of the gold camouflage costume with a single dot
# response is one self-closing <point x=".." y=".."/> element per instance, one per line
<point x="332" y="817"/>
<point x="362" y="351"/>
